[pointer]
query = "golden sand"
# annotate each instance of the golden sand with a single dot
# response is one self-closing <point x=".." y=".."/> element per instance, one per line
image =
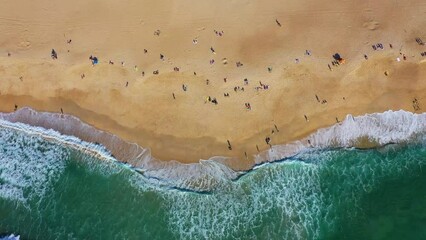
<point x="258" y="34"/>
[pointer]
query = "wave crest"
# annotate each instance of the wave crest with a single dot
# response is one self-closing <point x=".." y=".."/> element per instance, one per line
<point x="370" y="130"/>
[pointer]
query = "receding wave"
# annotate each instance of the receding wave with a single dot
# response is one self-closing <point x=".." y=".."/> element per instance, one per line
<point x="370" y="130"/>
<point x="61" y="193"/>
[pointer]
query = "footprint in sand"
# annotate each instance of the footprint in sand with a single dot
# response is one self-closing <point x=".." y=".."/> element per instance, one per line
<point x="371" y="25"/>
<point x="24" y="44"/>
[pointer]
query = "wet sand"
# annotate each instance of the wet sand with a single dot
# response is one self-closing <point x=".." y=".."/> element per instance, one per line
<point x="188" y="128"/>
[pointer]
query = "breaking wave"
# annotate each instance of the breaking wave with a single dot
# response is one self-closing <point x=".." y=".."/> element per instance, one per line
<point x="376" y="129"/>
<point x="312" y="193"/>
<point x="26" y="170"/>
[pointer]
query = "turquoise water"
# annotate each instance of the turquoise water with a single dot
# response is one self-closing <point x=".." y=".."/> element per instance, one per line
<point x="48" y="191"/>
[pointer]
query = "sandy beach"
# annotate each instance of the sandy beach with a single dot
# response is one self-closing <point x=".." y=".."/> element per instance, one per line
<point x="284" y="50"/>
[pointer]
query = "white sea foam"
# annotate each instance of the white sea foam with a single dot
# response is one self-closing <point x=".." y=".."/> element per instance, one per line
<point x="209" y="174"/>
<point x="203" y="176"/>
<point x="28" y="165"/>
<point x="293" y="199"/>
<point x="382" y="128"/>
<point x="292" y="195"/>
<point x="11" y="237"/>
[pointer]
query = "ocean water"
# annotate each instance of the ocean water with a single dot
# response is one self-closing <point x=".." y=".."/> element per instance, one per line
<point x="52" y="191"/>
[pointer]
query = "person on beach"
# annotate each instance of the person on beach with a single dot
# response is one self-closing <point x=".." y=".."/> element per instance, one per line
<point x="54" y="54"/>
<point x="278" y="22"/>
<point x="267" y="140"/>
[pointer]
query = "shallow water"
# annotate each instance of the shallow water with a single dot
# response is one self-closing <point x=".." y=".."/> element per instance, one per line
<point x="49" y="191"/>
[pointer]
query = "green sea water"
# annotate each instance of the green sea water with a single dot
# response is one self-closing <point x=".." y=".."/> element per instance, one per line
<point x="49" y="191"/>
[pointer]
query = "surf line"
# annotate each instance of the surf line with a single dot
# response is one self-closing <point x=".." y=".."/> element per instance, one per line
<point x="72" y="142"/>
<point x="79" y="145"/>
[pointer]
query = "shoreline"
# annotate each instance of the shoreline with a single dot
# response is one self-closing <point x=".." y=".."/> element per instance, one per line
<point x="187" y="144"/>
<point x="159" y="62"/>
<point x="366" y="131"/>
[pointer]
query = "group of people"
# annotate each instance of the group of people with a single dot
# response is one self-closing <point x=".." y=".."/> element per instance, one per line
<point x="262" y="86"/>
<point x="336" y="61"/>
<point x="218" y="33"/>
<point x="212" y="100"/>
<point x="378" y="46"/>
<point x="94" y="60"/>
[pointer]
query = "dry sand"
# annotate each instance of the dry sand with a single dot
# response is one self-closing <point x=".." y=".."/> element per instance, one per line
<point x="188" y="128"/>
